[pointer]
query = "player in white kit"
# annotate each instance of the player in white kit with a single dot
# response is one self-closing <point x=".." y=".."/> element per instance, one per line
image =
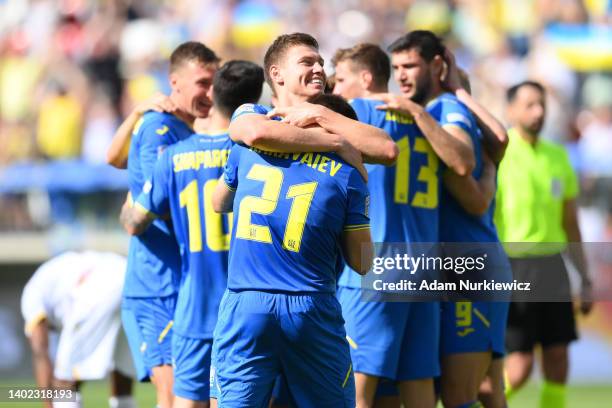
<point x="76" y="298"/>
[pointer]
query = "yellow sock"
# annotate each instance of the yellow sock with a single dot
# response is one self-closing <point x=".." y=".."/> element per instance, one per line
<point x="508" y="390"/>
<point x="552" y="395"/>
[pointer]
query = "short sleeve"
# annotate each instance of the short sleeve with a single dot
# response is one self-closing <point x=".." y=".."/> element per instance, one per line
<point x="362" y="108"/>
<point x="33" y="307"/>
<point x="249" y="109"/>
<point x="156" y="137"/>
<point x="570" y="187"/>
<point x="230" y="171"/>
<point x="154" y="195"/>
<point x="358" y="208"/>
<point x="448" y="112"/>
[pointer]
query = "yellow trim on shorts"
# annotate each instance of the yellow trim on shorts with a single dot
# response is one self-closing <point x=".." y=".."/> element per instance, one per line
<point x="348" y="373"/>
<point x="165" y="331"/>
<point x="351" y="342"/>
<point x="481" y="317"/>
<point x="357" y="227"/>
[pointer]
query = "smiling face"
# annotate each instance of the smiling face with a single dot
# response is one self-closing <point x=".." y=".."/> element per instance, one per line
<point x="191" y="86"/>
<point x="413" y="74"/>
<point x="349" y="80"/>
<point x="299" y="73"/>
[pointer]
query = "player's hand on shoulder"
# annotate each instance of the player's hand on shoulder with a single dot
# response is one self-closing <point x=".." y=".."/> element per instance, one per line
<point x="158" y="103"/>
<point x="347" y="151"/>
<point x="352" y="156"/>
<point x="388" y="100"/>
<point x="396" y="103"/>
<point x="302" y="115"/>
<point x="451" y="79"/>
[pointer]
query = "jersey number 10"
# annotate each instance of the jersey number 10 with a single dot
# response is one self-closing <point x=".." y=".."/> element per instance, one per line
<point x="216" y="240"/>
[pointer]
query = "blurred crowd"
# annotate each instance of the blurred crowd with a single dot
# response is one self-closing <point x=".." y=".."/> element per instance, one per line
<point x="70" y="70"/>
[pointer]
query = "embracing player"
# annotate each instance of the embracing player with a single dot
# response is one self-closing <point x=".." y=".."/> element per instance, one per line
<point x="154" y="259"/>
<point x="395" y="341"/>
<point x="471" y="333"/>
<point x="182" y="184"/>
<point x="294" y="69"/>
<point x="295" y="215"/>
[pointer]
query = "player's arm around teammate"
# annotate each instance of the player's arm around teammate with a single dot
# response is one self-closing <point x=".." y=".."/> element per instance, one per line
<point x="475" y="196"/>
<point x="262" y="132"/>
<point x="375" y="145"/>
<point x="117" y="153"/>
<point x="154" y="264"/>
<point x="295" y="72"/>
<point x="133" y="218"/>
<point x="418" y="64"/>
<point x="495" y="137"/>
<point x="463" y="372"/>
<point x="450" y="144"/>
<point x="223" y="197"/>
<point x="357" y="249"/>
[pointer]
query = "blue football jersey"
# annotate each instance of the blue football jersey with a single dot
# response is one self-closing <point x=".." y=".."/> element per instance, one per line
<point x="290" y="210"/>
<point x="251" y="108"/>
<point x="182" y="185"/>
<point x="153" y="258"/>
<point x="404" y="204"/>
<point x="456" y="224"/>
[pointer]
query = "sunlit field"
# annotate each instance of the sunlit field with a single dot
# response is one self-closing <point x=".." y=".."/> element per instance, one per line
<point x="95" y="395"/>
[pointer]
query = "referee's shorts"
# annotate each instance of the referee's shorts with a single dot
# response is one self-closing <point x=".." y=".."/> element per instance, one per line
<point x="549" y="322"/>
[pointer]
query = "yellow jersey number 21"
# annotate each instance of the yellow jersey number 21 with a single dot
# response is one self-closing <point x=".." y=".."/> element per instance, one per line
<point x="301" y="194"/>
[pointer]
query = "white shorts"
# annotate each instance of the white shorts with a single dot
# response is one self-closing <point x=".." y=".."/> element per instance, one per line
<point x="92" y="342"/>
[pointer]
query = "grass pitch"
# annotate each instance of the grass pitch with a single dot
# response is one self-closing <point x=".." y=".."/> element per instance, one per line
<point x="95" y="395"/>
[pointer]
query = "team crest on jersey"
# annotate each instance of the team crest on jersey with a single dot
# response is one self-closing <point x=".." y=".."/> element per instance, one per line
<point x="160" y="150"/>
<point x="162" y="130"/>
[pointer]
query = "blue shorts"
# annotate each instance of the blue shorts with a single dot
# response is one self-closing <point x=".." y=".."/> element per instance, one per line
<point x="395" y="340"/>
<point x="281" y="396"/>
<point x="147" y="323"/>
<point x="260" y="335"/>
<point x="191" y="367"/>
<point x="469" y="327"/>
